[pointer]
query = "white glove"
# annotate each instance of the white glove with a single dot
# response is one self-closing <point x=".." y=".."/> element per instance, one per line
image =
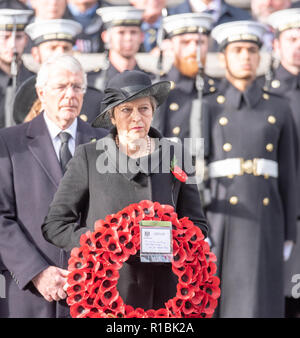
<point x="287" y="249"/>
<point x="207" y="239"/>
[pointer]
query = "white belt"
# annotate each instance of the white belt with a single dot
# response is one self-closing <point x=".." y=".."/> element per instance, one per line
<point x="239" y="166"/>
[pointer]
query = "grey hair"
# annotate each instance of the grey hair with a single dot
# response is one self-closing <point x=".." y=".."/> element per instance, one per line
<point x="64" y="61"/>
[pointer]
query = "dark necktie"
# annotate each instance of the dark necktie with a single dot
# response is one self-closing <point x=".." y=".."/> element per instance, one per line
<point x="64" y="151"/>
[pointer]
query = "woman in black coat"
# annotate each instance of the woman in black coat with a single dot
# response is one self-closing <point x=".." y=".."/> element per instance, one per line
<point x="129" y="165"/>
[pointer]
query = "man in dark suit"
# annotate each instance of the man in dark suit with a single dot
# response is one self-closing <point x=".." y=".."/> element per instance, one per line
<point x="33" y="157"/>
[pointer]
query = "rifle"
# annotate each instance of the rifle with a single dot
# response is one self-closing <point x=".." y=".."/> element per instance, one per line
<point x="269" y="76"/>
<point x="11" y="91"/>
<point x="160" y="38"/>
<point x="197" y="128"/>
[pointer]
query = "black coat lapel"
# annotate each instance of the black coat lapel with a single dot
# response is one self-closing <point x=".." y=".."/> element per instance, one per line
<point x="42" y="149"/>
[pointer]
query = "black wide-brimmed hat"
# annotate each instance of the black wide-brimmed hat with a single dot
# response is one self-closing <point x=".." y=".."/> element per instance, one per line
<point x="127" y="86"/>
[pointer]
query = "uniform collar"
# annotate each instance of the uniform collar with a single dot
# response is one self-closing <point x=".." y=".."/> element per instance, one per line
<point x="235" y="98"/>
<point x="185" y="83"/>
<point x="284" y="75"/>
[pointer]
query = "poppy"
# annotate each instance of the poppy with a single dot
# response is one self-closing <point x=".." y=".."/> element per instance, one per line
<point x="118" y="305"/>
<point x="107" y="284"/>
<point x="162" y="313"/>
<point x="76" y="288"/>
<point x="77" y="276"/>
<point x="186" y="223"/>
<point x="114" y="220"/>
<point x="187" y="276"/>
<point x="184" y="291"/>
<point x="177" y="304"/>
<point x="107" y="235"/>
<point x="109" y="296"/>
<point x="77" y="253"/>
<point x="137" y="213"/>
<point x="120" y="256"/>
<point x="180" y="257"/>
<point x="137" y="313"/>
<point x="128" y="309"/>
<point x="178" y="270"/>
<point x="194" y="234"/>
<point x="197" y="298"/>
<point x="179" y="174"/>
<point x="111" y="273"/>
<point x="78" y="310"/>
<point x="148" y="209"/>
<point x="86" y="239"/>
<point x="76" y="297"/>
<point x="124" y="237"/>
<point x="130" y="248"/>
<point x="75" y="263"/>
<point x="110" y="261"/>
<point x="187" y="307"/>
<point x="101" y="225"/>
<point x="150" y="313"/>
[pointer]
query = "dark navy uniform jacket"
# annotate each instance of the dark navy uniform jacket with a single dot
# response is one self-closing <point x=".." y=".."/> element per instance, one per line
<point x="251" y="215"/>
<point x="173" y="118"/>
<point x="5" y="81"/>
<point x="288" y="85"/>
<point x="99" y="77"/>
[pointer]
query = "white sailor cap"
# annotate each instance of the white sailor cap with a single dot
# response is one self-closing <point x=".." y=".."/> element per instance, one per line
<point x="187" y="23"/>
<point x="54" y="29"/>
<point x="285" y="19"/>
<point x="11" y="19"/>
<point x="244" y="30"/>
<point x="120" y="16"/>
<point x="169" y="3"/>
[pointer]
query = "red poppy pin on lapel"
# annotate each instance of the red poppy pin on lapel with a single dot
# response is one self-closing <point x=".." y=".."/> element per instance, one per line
<point x="177" y="171"/>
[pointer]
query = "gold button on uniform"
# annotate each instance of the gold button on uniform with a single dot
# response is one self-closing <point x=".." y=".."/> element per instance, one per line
<point x="83" y="117"/>
<point x="266" y="96"/>
<point x="227" y="147"/>
<point x="211" y="82"/>
<point x="233" y="200"/>
<point x="93" y="140"/>
<point x="266" y="201"/>
<point x="271" y="119"/>
<point x="176" y="130"/>
<point x="172" y="85"/>
<point x="223" y="121"/>
<point x="275" y="83"/>
<point x="220" y="99"/>
<point x="269" y="147"/>
<point x="212" y="89"/>
<point x="174" y="106"/>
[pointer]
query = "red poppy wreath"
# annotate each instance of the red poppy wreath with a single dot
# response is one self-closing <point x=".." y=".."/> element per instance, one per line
<point x="94" y="267"/>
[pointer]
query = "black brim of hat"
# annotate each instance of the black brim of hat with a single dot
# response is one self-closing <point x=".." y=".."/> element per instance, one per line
<point x="159" y="91"/>
<point x="24" y="99"/>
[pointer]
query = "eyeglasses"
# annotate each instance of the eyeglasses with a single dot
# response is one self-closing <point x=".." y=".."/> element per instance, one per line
<point x="77" y="88"/>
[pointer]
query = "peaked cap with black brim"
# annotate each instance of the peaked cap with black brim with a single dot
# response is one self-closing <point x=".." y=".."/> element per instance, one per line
<point x="127" y="86"/>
